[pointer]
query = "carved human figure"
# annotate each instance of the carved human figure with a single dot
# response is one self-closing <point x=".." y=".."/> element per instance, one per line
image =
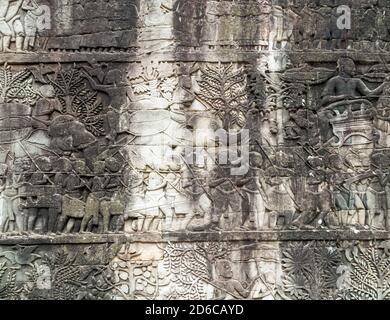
<point x="112" y="206"/>
<point x="10" y="24"/>
<point x="226" y="287"/>
<point x="227" y="199"/>
<point x="282" y="26"/>
<point x="299" y="125"/>
<point x="345" y="86"/>
<point x="31" y="22"/>
<point x="172" y="196"/>
<point x="39" y="200"/>
<point x="109" y="81"/>
<point x="342" y="200"/>
<point x="45" y="108"/>
<point x="316" y="202"/>
<point x="155" y="15"/>
<point x="359" y="192"/>
<point x="92" y="207"/>
<point x="154" y="196"/>
<point x="210" y="30"/>
<point x="97" y="192"/>
<point x="135" y="203"/>
<point x="377" y="200"/>
<point x="382" y="118"/>
<point x="195" y="187"/>
<point x="279" y="198"/>
<point x="81" y="199"/>
<point x="71" y="182"/>
<point x="7" y="214"/>
<point x="251" y="185"/>
<point x="263" y="27"/>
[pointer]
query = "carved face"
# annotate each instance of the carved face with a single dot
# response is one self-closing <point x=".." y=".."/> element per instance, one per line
<point x="224" y="269"/>
<point x="256" y="160"/>
<point x="346" y="66"/>
<point x="47" y="91"/>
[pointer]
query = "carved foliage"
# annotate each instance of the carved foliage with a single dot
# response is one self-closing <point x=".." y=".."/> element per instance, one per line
<point x="310" y="271"/>
<point x="368" y="275"/>
<point x="78" y="100"/>
<point x="16" y="87"/>
<point x="190" y="267"/>
<point x="223" y="90"/>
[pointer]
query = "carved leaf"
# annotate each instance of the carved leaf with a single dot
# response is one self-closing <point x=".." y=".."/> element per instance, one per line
<point x="224" y="92"/>
<point x="78" y="100"/>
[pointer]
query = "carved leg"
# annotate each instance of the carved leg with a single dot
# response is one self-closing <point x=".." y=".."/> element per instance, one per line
<point x="259" y="211"/>
<point x="105" y="212"/>
<point x="341" y="217"/>
<point x="3" y="225"/>
<point x="117" y="223"/>
<point x="32" y="218"/>
<point x="363" y="217"/>
<point x="6" y="44"/>
<point x="156" y="224"/>
<point x="19" y="44"/>
<point x="85" y="221"/>
<point x="148" y="223"/>
<point x="19" y="219"/>
<point x="70" y="225"/>
<point x="106" y="221"/>
<point x="140" y="223"/>
<point x="44" y="215"/>
<point x="25" y="219"/>
<point x="186" y="221"/>
<point x="52" y="219"/>
<point x="61" y="223"/>
<point x="28" y="41"/>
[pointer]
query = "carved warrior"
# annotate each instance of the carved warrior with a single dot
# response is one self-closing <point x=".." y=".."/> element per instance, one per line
<point x="66" y="107"/>
<point x="20" y="21"/>
<point x="62" y="190"/>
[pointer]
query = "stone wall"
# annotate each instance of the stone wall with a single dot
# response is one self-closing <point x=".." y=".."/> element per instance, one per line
<point x="174" y="149"/>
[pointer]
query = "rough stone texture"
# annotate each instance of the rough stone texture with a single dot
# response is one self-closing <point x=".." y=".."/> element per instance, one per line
<point x="113" y="182"/>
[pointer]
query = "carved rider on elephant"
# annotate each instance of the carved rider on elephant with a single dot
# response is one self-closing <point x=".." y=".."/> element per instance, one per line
<point x="346" y="96"/>
<point x="346" y="86"/>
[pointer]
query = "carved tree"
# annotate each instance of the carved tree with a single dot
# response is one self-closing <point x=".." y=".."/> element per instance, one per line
<point x="368" y="276"/>
<point x="310" y="271"/>
<point x="17" y="87"/>
<point x="190" y="267"/>
<point x="223" y="90"/>
<point x="78" y="100"/>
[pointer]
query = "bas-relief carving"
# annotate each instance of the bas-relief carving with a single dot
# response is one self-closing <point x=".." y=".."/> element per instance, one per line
<point x="150" y="26"/>
<point x="315" y="157"/>
<point x="23" y="25"/>
<point x="317" y="270"/>
<point x="128" y="150"/>
<point x="60" y="173"/>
